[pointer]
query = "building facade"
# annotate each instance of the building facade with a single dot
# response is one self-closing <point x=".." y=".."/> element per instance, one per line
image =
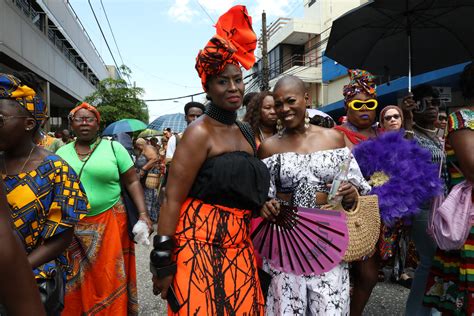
<point x="47" y="38"/>
<point x="296" y="46"/>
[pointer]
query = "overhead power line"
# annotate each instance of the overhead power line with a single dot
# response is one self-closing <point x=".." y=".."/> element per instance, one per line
<point x="111" y="31"/>
<point x="189" y="95"/>
<point x="205" y="11"/>
<point x="103" y="35"/>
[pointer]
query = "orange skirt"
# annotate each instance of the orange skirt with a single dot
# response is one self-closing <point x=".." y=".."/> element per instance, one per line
<point x="217" y="272"/>
<point x="103" y="278"/>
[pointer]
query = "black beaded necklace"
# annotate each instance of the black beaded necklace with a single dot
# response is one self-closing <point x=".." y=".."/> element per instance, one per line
<point x="221" y="115"/>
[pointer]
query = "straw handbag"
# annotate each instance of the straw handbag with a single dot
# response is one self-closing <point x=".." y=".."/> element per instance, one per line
<point x="363" y="223"/>
<point x="152" y="180"/>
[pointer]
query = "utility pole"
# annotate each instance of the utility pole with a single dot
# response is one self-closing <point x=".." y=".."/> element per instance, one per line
<point x="264" y="85"/>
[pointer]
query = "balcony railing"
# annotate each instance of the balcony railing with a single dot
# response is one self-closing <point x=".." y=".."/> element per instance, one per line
<point x="55" y="36"/>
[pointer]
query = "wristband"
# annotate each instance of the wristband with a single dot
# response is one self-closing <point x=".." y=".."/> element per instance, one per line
<point x="164" y="271"/>
<point x="160" y="258"/>
<point x="163" y="242"/>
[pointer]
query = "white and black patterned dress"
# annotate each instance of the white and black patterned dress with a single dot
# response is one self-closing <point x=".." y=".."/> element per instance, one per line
<point x="303" y="175"/>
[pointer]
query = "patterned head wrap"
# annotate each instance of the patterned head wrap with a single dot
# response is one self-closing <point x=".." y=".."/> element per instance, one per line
<point x="88" y="107"/>
<point x="234" y="43"/>
<point x="360" y="81"/>
<point x="13" y="89"/>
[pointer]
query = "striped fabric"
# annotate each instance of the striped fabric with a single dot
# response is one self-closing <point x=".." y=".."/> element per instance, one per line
<point x="450" y="287"/>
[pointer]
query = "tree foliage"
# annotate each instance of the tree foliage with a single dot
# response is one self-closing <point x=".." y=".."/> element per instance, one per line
<point x="116" y="99"/>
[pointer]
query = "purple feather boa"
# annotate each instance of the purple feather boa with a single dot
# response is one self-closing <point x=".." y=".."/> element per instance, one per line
<point x="413" y="178"/>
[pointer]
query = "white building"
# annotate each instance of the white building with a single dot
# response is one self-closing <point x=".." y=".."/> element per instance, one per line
<point x="295" y="46"/>
<point x="46" y="37"/>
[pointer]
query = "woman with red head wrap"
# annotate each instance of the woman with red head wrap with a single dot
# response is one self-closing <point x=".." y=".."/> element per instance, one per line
<point x="203" y="260"/>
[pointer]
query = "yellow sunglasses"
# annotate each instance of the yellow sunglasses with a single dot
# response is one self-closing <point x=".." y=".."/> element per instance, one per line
<point x="358" y="105"/>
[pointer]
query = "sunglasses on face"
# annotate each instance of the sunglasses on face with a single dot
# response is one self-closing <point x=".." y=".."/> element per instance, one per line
<point x="442" y="118"/>
<point x="358" y="105"/>
<point x="84" y="119"/>
<point x="4" y="118"/>
<point x="426" y="103"/>
<point x="388" y="118"/>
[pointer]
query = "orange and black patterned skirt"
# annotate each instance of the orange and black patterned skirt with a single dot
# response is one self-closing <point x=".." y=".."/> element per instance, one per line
<point x="217" y="272"/>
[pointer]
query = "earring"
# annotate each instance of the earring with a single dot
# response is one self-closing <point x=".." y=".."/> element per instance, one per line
<point x="279" y="128"/>
<point x="306" y="120"/>
<point x="27" y="129"/>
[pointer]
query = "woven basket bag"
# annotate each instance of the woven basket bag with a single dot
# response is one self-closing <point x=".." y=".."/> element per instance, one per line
<point x="363" y="223"/>
<point x="152" y="181"/>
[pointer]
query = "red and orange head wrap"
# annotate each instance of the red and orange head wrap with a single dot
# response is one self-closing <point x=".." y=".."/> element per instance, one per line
<point x="88" y="107"/>
<point x="234" y="43"/>
<point x="360" y="81"/>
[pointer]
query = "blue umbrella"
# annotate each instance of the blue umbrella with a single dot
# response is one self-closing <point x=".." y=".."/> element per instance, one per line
<point x="124" y="126"/>
<point x="174" y="121"/>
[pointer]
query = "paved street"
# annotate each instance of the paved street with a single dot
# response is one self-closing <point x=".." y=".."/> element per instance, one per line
<point x="387" y="299"/>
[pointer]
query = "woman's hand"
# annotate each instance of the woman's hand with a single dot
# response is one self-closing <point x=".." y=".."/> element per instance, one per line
<point x="270" y="210"/>
<point x="144" y="217"/>
<point x="162" y="285"/>
<point x="348" y="192"/>
<point x="141" y="173"/>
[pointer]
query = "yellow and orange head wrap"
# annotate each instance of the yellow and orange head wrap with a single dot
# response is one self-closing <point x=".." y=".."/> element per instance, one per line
<point x="88" y="107"/>
<point x="234" y="43"/>
<point x="12" y="88"/>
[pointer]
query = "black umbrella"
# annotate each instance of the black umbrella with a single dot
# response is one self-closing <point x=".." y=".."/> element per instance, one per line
<point x="404" y="37"/>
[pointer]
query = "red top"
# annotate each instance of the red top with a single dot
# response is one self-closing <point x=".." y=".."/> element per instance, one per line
<point x="354" y="137"/>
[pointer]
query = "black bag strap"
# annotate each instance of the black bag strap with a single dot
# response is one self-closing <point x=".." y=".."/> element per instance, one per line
<point x="248" y="134"/>
<point x="88" y="158"/>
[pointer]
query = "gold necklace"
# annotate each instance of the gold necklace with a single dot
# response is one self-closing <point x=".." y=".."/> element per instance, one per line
<point x="85" y="156"/>
<point x="24" y="164"/>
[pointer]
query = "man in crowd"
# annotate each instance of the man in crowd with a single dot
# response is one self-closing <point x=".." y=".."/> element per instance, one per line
<point x="192" y="111"/>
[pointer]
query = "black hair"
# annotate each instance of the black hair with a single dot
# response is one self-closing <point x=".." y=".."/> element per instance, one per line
<point x="168" y="129"/>
<point x="190" y="105"/>
<point x="323" y="121"/>
<point x="467" y="81"/>
<point x="289" y="79"/>
<point x="248" y="97"/>
<point x="252" y="116"/>
<point x="423" y="91"/>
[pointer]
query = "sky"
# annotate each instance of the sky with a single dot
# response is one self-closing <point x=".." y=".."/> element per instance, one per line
<point x="159" y="40"/>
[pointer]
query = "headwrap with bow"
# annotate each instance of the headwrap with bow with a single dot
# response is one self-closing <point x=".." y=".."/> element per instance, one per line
<point x="234" y="43"/>
<point x="12" y="88"/>
<point x="360" y="81"/>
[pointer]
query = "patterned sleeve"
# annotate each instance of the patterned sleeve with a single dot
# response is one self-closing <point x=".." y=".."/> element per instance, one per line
<point x="270" y="162"/>
<point x="69" y="202"/>
<point x="461" y="119"/>
<point x="357" y="179"/>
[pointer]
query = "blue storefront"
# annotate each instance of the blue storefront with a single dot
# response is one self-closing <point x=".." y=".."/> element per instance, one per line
<point x="389" y="93"/>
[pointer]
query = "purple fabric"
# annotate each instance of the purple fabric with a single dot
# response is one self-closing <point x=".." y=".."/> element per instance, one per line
<point x="413" y="177"/>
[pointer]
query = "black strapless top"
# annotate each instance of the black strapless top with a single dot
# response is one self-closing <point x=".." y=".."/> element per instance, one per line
<point x="235" y="179"/>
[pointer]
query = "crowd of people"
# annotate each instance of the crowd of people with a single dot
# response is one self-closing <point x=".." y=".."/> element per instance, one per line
<point x="70" y="200"/>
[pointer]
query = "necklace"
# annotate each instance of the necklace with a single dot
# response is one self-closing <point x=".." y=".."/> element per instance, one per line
<point x="221" y="115"/>
<point x="24" y="164"/>
<point x="85" y="156"/>
<point x="262" y="137"/>
<point x="426" y="129"/>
